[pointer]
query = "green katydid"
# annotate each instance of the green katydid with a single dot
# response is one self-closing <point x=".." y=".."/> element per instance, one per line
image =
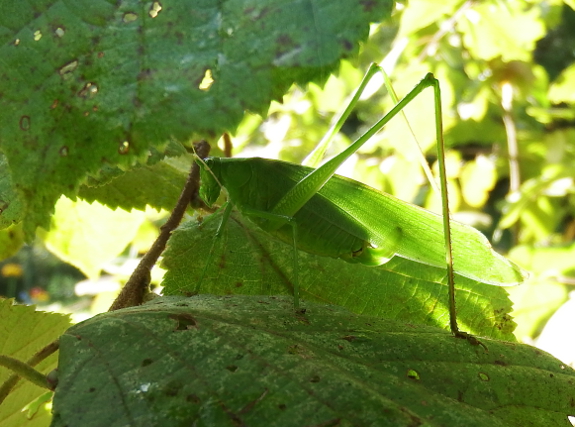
<point x="324" y="214"/>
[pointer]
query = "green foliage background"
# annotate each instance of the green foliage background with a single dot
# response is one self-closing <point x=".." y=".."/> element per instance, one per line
<point x="507" y="71"/>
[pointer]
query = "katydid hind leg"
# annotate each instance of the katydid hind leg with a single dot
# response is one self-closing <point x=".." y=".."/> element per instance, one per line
<point x="312" y="183"/>
<point x="446" y="218"/>
<point x="300" y="194"/>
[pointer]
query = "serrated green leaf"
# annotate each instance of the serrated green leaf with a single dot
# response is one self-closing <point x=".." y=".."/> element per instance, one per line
<point x="246" y="260"/>
<point x="91" y="83"/>
<point x="89" y="235"/>
<point x="228" y="361"/>
<point x="23" y="332"/>
<point x="158" y="186"/>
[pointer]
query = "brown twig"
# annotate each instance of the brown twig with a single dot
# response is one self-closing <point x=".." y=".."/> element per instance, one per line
<point x="228" y="146"/>
<point x="133" y="292"/>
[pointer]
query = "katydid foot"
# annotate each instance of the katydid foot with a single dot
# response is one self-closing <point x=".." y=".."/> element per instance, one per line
<point x="470" y="338"/>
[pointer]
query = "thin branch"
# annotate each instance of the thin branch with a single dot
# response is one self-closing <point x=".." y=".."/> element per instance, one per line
<point x="23" y="370"/>
<point x="228" y="146"/>
<point x="133" y="292"/>
<point x="33" y="361"/>
<point x="512" y="145"/>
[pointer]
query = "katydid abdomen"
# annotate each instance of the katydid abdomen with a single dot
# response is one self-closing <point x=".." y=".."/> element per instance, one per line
<point x="352" y="221"/>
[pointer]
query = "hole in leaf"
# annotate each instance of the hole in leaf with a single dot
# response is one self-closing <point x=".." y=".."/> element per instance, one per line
<point x="88" y="91"/>
<point x="63" y="151"/>
<point x="25" y="122"/>
<point x="68" y="68"/>
<point x="185" y="322"/>
<point x="129" y="17"/>
<point x="207" y="81"/>
<point x="413" y="374"/>
<point x="16" y="42"/>
<point x="37" y="35"/>
<point x="59" y="31"/>
<point x="483" y="376"/>
<point x="155" y="9"/>
<point x="124" y="147"/>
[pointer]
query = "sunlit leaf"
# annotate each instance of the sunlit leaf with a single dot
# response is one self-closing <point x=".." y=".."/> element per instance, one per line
<point x="495" y="29"/>
<point x="89" y="84"/>
<point x="23" y="332"/>
<point x="89" y="235"/>
<point x="246" y="260"/>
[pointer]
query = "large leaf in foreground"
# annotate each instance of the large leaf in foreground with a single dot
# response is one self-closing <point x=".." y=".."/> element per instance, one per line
<point x="229" y="361"/>
<point x="87" y="84"/>
<point x="246" y="260"/>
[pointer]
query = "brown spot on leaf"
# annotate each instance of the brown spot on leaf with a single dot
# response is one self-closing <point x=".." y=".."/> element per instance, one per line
<point x="25" y="123"/>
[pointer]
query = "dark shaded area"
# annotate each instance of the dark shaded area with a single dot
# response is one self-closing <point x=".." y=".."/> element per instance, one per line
<point x="556" y="51"/>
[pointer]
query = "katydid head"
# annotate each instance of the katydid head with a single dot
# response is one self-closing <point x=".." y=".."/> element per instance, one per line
<point x="219" y="174"/>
